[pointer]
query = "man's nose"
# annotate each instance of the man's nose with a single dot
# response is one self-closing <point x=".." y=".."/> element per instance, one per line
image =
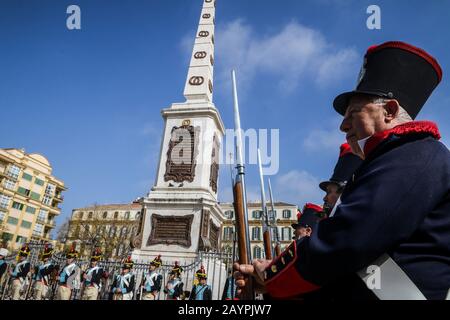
<point x="345" y="125"/>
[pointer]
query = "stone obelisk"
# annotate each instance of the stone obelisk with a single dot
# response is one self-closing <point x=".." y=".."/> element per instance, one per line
<point x="181" y="213"/>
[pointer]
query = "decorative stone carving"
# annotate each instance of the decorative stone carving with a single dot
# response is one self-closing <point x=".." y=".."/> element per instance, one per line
<point x="214" y="172"/>
<point x="214" y="234"/>
<point x="171" y="230"/>
<point x="182" y="154"/>
<point x="204" y="242"/>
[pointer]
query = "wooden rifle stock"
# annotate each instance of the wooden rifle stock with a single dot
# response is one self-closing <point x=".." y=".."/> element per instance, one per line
<point x="267" y="243"/>
<point x="247" y="291"/>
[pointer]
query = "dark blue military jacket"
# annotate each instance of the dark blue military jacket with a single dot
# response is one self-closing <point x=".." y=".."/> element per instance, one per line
<point x="398" y="202"/>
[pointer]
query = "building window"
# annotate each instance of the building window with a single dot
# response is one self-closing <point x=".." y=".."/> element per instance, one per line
<point x="257" y="214"/>
<point x="229" y="214"/>
<point x="105" y="215"/>
<point x="27" y="176"/>
<point x="47" y="200"/>
<point x="13" y="221"/>
<point x="112" y="232"/>
<point x="116" y="215"/>
<point x="38" y="229"/>
<point x="286" y="235"/>
<point x="18" y="206"/>
<point x="256" y="233"/>
<point x="90" y="215"/>
<point x="13" y="172"/>
<point x="77" y="232"/>
<point x="25" y="224"/>
<point x="4" y="201"/>
<point x="50" y="189"/>
<point x="10" y="184"/>
<point x="42" y="215"/>
<point x="228" y="233"/>
<point x="39" y="182"/>
<point x="80" y="215"/>
<point x="286" y="214"/>
<point x="137" y="216"/>
<point x="2" y="216"/>
<point x="35" y="196"/>
<point x="123" y="232"/>
<point x="273" y="231"/>
<point x="86" y="231"/>
<point x="133" y="233"/>
<point x="127" y="215"/>
<point x="257" y="252"/>
<point x="7" y="236"/>
<point x="31" y="210"/>
<point x="272" y="215"/>
<point x="21" y="239"/>
<point x="23" y="191"/>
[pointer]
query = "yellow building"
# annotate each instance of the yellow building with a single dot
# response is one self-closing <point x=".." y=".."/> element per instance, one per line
<point x="283" y="216"/>
<point x="30" y="197"/>
<point x="111" y="227"/>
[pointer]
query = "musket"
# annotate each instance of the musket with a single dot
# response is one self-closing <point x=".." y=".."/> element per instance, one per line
<point x="233" y="295"/>
<point x="240" y="199"/>
<point x="277" y="235"/>
<point x="30" y="286"/>
<point x="267" y="234"/>
<point x="6" y="282"/>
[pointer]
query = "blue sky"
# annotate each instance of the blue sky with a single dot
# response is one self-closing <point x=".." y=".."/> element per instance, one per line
<point x="90" y="99"/>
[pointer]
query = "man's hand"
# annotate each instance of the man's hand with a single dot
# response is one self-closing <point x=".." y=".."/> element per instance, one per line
<point x="243" y="271"/>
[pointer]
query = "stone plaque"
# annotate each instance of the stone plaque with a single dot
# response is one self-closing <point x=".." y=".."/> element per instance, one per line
<point x="171" y="230"/>
<point x="182" y="154"/>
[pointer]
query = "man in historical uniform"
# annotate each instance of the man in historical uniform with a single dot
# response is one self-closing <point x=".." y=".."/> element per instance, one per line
<point x="3" y="265"/>
<point x="69" y="276"/>
<point x="201" y="291"/>
<point x="123" y="285"/>
<point x="346" y="165"/>
<point x="42" y="273"/>
<point x="174" y="288"/>
<point x="20" y="272"/>
<point x="152" y="280"/>
<point x="393" y="214"/>
<point x="307" y="221"/>
<point x="92" y="277"/>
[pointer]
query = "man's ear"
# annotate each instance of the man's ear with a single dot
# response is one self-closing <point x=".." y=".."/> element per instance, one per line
<point x="391" y="110"/>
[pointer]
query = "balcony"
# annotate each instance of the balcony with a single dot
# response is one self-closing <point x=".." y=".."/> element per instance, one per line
<point x="58" y="198"/>
<point x="51" y="223"/>
<point x="41" y="220"/>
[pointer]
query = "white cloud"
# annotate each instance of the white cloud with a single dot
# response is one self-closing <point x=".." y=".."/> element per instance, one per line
<point x="293" y="54"/>
<point x="298" y="187"/>
<point x="328" y="138"/>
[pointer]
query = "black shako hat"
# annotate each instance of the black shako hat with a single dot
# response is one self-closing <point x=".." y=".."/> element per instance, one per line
<point x="309" y="217"/>
<point x="396" y="70"/>
<point x="344" y="169"/>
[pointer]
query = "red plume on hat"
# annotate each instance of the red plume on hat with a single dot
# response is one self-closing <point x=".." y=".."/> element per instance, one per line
<point x="72" y="253"/>
<point x="48" y="251"/>
<point x="201" y="273"/>
<point x="127" y="263"/>
<point x="96" y="255"/>
<point x="25" y="250"/>
<point x="177" y="269"/>
<point x="157" y="261"/>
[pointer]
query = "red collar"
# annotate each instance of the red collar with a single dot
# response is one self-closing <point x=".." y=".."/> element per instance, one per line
<point x="404" y="129"/>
